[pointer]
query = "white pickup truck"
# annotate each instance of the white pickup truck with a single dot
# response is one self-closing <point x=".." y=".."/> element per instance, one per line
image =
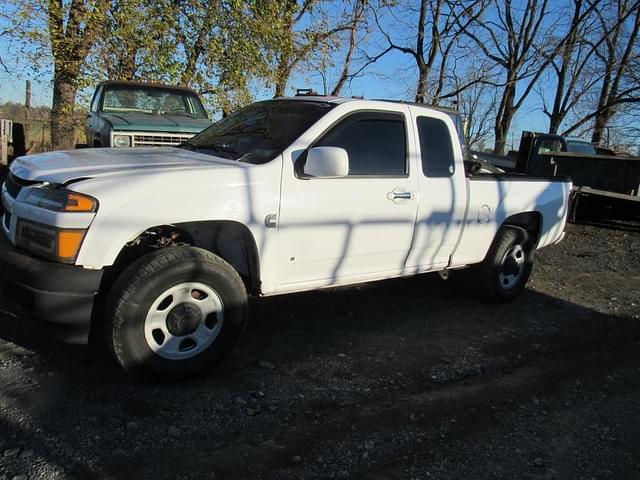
<point x="155" y="251"/>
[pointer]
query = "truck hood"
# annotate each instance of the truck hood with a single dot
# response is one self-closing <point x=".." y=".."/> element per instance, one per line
<point x="67" y="165"/>
<point x="155" y="123"/>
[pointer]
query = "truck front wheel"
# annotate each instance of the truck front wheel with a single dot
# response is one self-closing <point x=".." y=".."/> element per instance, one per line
<point x="175" y="312"/>
<point x="505" y="271"/>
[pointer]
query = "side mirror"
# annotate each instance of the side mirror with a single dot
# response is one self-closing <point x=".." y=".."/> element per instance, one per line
<point x="327" y="162"/>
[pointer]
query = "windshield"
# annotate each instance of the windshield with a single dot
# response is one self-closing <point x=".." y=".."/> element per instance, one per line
<point x="156" y="101"/>
<point x="259" y="132"/>
<point x="550" y="145"/>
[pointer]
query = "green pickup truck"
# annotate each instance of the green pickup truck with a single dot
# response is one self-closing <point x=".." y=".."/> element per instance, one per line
<point x="137" y="114"/>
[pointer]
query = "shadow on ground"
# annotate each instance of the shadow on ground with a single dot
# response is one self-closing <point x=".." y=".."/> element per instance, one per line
<point x="405" y="379"/>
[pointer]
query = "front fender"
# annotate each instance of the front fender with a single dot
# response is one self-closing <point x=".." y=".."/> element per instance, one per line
<point x="131" y="204"/>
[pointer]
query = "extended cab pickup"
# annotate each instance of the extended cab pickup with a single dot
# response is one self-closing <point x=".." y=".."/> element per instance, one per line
<point x="156" y="250"/>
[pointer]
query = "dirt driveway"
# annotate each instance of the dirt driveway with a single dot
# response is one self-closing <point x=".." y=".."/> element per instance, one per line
<point x="408" y="379"/>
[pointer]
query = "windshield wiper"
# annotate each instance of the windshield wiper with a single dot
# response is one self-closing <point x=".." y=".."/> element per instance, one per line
<point x="179" y="114"/>
<point x="127" y="111"/>
<point x="226" y="151"/>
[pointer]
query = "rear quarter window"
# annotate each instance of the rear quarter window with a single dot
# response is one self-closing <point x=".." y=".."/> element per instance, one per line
<point x="436" y="149"/>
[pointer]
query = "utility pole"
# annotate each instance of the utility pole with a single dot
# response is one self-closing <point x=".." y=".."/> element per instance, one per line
<point x="27" y="94"/>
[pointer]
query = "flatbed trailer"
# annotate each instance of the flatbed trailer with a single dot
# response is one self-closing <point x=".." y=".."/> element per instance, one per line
<point x="605" y="187"/>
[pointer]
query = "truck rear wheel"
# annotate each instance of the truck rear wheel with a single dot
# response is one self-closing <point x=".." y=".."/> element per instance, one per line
<point x="175" y="312"/>
<point x="505" y="270"/>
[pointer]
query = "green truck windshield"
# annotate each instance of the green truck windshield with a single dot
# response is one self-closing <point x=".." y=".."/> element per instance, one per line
<point x="157" y="101"/>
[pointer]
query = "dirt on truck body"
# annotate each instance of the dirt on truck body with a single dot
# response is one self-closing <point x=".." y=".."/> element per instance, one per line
<point x="408" y="379"/>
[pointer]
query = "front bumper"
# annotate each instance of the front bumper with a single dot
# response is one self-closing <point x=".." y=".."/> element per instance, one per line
<point x="61" y="296"/>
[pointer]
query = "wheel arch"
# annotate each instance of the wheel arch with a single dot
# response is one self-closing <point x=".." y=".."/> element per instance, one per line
<point x="230" y="240"/>
<point x="529" y="221"/>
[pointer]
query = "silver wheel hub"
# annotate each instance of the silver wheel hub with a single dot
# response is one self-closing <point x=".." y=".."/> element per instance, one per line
<point x="183" y="321"/>
<point x="512" y="267"/>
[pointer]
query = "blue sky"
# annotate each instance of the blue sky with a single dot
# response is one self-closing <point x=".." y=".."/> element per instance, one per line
<point x="12" y="88"/>
<point x="393" y="77"/>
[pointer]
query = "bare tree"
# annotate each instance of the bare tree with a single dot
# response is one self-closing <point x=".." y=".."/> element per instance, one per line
<point x="515" y="41"/>
<point x="473" y="91"/>
<point x="440" y="24"/>
<point x="3" y="64"/>
<point x="357" y="20"/>
<point x="570" y="67"/>
<point x="299" y="42"/>
<point x="476" y="103"/>
<point x="617" y="67"/>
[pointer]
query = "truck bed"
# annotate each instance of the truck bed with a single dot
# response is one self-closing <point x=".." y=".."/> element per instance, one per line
<point x="492" y="198"/>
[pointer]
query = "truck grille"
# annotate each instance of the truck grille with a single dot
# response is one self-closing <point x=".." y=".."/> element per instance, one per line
<point x="162" y="140"/>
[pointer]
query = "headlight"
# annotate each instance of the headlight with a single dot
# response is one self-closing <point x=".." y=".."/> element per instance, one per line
<point x="61" y="245"/>
<point x="121" y="141"/>
<point x="60" y="200"/>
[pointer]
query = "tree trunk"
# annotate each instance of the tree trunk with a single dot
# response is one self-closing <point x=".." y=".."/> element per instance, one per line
<point x="70" y="45"/>
<point x="501" y="138"/>
<point x="358" y="11"/>
<point x="423" y="69"/>
<point x="281" y="87"/>
<point x="557" y="114"/>
<point x="128" y="65"/>
<point x="503" y="121"/>
<point x="63" y="123"/>
<point x="282" y="76"/>
<point x="555" y="120"/>
<point x="421" y="90"/>
<point x="614" y="73"/>
<point x="600" y="125"/>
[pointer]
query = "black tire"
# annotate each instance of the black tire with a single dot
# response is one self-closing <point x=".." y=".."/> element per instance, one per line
<point x="143" y="283"/>
<point x="499" y="278"/>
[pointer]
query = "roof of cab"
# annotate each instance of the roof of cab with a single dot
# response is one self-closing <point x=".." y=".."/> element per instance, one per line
<point x="338" y="100"/>
<point x="145" y="84"/>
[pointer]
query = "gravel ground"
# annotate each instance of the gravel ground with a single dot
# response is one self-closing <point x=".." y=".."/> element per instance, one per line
<point x="410" y="378"/>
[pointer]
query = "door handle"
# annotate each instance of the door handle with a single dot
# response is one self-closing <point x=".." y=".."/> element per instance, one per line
<point x="399" y="195"/>
<point x="402" y="195"/>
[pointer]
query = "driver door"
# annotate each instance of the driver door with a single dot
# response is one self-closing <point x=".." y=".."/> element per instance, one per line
<point x="358" y="227"/>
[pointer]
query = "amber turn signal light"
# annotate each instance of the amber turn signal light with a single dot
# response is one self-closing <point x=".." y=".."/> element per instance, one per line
<point x="69" y="242"/>
<point x="79" y="203"/>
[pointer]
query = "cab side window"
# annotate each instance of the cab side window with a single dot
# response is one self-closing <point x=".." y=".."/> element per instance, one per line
<point x="435" y="148"/>
<point x="376" y="143"/>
